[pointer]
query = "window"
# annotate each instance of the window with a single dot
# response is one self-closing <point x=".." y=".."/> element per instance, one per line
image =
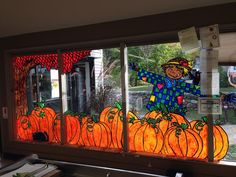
<point x="80" y="103"/>
<point x="228" y="117"/>
<point x="90" y="86"/>
<point x="160" y="104"/>
<point x="79" y="87"/>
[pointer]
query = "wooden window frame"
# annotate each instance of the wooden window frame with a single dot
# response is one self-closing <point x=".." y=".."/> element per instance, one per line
<point x="158" y="33"/>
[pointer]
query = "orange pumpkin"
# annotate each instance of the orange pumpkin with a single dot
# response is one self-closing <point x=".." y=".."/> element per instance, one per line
<point x="113" y="117"/>
<point x="25" y="127"/>
<point x="220" y="138"/>
<point x="165" y="121"/>
<point x="144" y="136"/>
<point x="181" y="141"/>
<point x="95" y="134"/>
<point x="73" y="129"/>
<point x="45" y="117"/>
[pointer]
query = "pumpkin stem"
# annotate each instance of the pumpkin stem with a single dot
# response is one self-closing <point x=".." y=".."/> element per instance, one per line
<point x="174" y="123"/>
<point x="42" y="114"/>
<point x="41" y="104"/>
<point x="180" y="128"/>
<point x="205" y="119"/>
<point x="183" y="126"/>
<point x="28" y="113"/>
<point x="143" y="120"/>
<point x="158" y="120"/>
<point x="68" y="112"/>
<point x="95" y="118"/>
<point x="118" y="105"/>
<point x="218" y="122"/>
<point x="168" y="117"/>
<point x="82" y="114"/>
<point x="199" y="125"/>
<point x="151" y="121"/>
<point x="131" y="120"/>
<point x="178" y="132"/>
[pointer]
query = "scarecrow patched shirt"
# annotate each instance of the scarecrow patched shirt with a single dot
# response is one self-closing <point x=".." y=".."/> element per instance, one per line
<point x="168" y="92"/>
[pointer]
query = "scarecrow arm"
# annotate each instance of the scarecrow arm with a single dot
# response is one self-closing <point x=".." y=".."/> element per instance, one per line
<point x="191" y="88"/>
<point x="150" y="77"/>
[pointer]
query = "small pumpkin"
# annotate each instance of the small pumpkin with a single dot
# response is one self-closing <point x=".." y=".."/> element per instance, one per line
<point x="113" y="117"/>
<point x="73" y="128"/>
<point x="181" y="141"/>
<point x="220" y="138"/>
<point x="95" y="134"/>
<point x="45" y="117"/>
<point x="166" y="120"/>
<point x="25" y="127"/>
<point x="145" y="136"/>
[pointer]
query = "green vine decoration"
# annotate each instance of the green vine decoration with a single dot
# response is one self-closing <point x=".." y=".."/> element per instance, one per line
<point x="180" y="128"/>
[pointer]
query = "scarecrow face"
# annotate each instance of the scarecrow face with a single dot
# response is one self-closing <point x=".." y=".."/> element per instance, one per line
<point x="174" y="72"/>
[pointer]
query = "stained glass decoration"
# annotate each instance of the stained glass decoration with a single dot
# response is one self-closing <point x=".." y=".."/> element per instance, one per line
<point x="73" y="128"/>
<point x="162" y="131"/>
<point x="221" y="142"/>
<point x="96" y="134"/>
<point x="113" y="117"/>
<point x="41" y="119"/>
<point x="145" y="136"/>
<point x="23" y="64"/>
<point x="168" y="89"/>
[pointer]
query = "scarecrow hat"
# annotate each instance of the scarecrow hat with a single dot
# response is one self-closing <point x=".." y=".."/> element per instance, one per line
<point x="180" y="62"/>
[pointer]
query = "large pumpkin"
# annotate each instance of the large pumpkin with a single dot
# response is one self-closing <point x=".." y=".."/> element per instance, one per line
<point x="144" y="136"/>
<point x="113" y="117"/>
<point x="95" y="134"/>
<point x="45" y="117"/>
<point x="181" y="141"/>
<point x="25" y="127"/>
<point x="73" y="129"/>
<point x="220" y="138"/>
<point x="165" y="121"/>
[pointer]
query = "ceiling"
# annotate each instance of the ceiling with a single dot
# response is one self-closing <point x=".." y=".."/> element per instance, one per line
<point x="27" y="16"/>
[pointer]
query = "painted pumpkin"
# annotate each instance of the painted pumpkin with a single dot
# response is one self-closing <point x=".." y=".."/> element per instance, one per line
<point x="73" y="129"/>
<point x="95" y="134"/>
<point x="25" y="127"/>
<point x="144" y="136"/>
<point x="45" y="117"/>
<point x="181" y="141"/>
<point x="220" y="138"/>
<point x="165" y="121"/>
<point x="113" y="117"/>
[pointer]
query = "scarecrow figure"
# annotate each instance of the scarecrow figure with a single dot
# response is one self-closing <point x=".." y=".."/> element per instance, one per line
<point x="168" y="90"/>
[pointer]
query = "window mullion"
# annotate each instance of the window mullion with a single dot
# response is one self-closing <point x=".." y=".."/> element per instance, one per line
<point x="62" y="92"/>
<point x="124" y="91"/>
<point x="210" y="144"/>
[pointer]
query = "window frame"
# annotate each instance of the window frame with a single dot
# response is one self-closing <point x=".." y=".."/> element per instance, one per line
<point x="158" y="165"/>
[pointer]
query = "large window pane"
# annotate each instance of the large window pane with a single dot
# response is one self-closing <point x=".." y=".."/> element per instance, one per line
<point x="91" y="101"/>
<point x="163" y="93"/>
<point x="37" y="101"/>
<point x="228" y="117"/>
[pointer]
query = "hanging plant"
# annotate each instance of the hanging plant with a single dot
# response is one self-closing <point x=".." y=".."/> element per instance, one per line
<point x="95" y="134"/>
<point x="181" y="141"/>
<point x="113" y="117"/>
<point x="221" y="142"/>
<point x="145" y="136"/>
